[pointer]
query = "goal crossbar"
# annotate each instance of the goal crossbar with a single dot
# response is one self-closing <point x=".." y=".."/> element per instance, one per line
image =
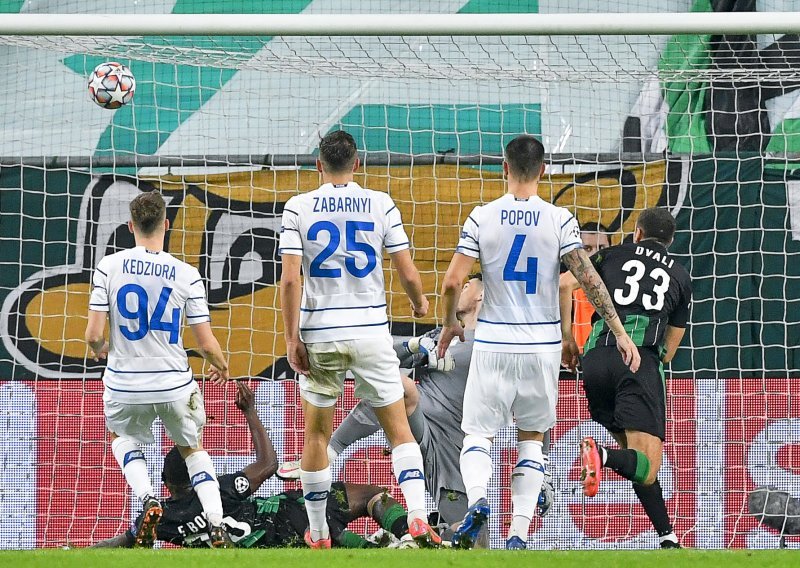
<point x="399" y="24"/>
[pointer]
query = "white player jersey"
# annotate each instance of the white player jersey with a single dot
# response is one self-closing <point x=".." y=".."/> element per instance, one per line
<point x="147" y="294"/>
<point x="520" y="243"/>
<point x="341" y="231"/>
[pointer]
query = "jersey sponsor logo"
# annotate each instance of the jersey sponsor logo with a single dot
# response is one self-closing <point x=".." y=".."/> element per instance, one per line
<point x="516" y="217"/>
<point x="316" y="495"/>
<point x="241" y="484"/>
<point x="410" y="475"/>
<point x="147" y="268"/>
<point x="201" y="477"/>
<point x="342" y="205"/>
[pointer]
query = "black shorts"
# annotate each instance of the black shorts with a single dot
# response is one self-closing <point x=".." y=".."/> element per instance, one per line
<point x="620" y="400"/>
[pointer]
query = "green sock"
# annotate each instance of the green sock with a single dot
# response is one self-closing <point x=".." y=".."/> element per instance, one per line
<point x="350" y="539"/>
<point x="393" y="517"/>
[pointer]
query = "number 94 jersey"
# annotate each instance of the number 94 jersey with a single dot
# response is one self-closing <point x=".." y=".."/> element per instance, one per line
<point x="650" y="290"/>
<point x="147" y="294"/>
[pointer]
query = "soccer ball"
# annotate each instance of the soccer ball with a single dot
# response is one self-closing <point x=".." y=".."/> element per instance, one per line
<point x="111" y="85"/>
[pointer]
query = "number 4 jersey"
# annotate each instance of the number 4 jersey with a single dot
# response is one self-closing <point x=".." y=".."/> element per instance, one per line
<point x="341" y="232"/>
<point x="520" y="243"/>
<point x="650" y="290"/>
<point x="147" y="294"/>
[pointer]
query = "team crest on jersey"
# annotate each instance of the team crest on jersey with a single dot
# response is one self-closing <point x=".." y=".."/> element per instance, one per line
<point x="241" y="484"/>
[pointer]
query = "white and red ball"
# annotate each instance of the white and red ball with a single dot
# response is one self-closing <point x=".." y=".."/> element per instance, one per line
<point x="111" y="85"/>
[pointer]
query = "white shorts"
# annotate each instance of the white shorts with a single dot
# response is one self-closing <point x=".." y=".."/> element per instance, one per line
<point x="502" y="386"/>
<point x="374" y="365"/>
<point x="183" y="419"/>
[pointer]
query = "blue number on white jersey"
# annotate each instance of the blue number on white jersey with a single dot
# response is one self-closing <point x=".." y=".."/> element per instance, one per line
<point x="155" y="323"/>
<point x="351" y="245"/>
<point x="510" y="272"/>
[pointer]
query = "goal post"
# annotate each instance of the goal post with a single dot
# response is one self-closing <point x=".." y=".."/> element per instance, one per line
<point x="696" y="112"/>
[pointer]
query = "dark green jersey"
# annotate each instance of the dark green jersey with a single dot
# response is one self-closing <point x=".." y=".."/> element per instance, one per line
<point x="253" y="522"/>
<point x="649" y="288"/>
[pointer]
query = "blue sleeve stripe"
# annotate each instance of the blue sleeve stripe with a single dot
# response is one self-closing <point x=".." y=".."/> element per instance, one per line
<point x="197" y="298"/>
<point x="518" y="343"/>
<point x="342" y="308"/>
<point x="290" y="229"/>
<point x="200" y="316"/>
<point x="196" y="281"/>
<point x="280" y="250"/>
<point x="473" y="220"/>
<point x="101" y="272"/>
<point x="290" y="211"/>
<point x="106" y="304"/>
<point x="392" y="209"/>
<point x="395" y="226"/>
<point x="467" y="248"/>
<point x="345" y="326"/>
<point x="519" y="323"/>
<point x="470" y="237"/>
<point x="567" y="221"/>
<point x="580" y="245"/>
<point x="398" y="245"/>
<point x="100" y="287"/>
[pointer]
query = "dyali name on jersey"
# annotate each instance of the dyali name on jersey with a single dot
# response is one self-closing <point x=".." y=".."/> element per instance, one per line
<point x="655" y="255"/>
<point x="147" y="268"/>
<point x="342" y="204"/>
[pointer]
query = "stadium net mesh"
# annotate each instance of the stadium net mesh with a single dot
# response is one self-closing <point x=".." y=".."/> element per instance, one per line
<point x="227" y="127"/>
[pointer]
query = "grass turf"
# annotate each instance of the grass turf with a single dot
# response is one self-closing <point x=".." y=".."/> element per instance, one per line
<point x="300" y="558"/>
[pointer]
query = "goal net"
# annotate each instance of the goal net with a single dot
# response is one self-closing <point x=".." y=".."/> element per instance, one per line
<point x="226" y="126"/>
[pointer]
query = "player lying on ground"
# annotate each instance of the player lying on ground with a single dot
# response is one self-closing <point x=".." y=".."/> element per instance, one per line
<point x="145" y="293"/>
<point x="335" y="320"/>
<point x="256" y="522"/>
<point x="651" y="292"/>
<point x="434" y="408"/>
<point x="513" y="377"/>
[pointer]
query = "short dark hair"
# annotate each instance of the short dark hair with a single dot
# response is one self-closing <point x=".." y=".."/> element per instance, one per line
<point x="175" y="471"/>
<point x="657" y="223"/>
<point x="337" y="152"/>
<point x="525" y="156"/>
<point x="148" y="210"/>
<point x="594" y="227"/>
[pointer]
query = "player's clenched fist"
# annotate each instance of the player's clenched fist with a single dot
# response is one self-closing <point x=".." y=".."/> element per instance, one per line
<point x="421" y="310"/>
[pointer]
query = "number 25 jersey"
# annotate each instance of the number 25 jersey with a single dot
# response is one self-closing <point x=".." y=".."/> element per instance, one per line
<point x="147" y="294"/>
<point x="341" y="232"/>
<point x="650" y="290"/>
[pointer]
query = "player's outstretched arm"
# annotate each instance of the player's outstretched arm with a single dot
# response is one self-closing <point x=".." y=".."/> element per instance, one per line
<point x="95" y="330"/>
<point x="411" y="281"/>
<point x="209" y="348"/>
<point x="451" y="291"/>
<point x="266" y="463"/>
<point x="291" y="297"/>
<point x="581" y="267"/>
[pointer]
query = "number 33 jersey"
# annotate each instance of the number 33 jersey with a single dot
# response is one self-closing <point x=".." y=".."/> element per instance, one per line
<point x="147" y="295"/>
<point x="650" y="290"/>
<point x="520" y="243"/>
<point x="341" y="232"/>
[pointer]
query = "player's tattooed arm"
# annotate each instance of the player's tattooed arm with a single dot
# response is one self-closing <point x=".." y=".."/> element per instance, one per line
<point x="596" y="292"/>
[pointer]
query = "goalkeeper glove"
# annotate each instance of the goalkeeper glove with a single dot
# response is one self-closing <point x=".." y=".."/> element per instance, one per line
<point x="426" y="345"/>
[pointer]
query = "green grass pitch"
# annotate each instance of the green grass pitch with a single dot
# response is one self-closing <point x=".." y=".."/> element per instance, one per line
<point x="300" y="558"/>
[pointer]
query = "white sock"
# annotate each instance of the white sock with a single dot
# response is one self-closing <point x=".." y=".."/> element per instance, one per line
<point x="131" y="460"/>
<point x="204" y="481"/>
<point x="476" y="466"/>
<point x="526" y="483"/>
<point x="408" y="467"/>
<point x="316" y="487"/>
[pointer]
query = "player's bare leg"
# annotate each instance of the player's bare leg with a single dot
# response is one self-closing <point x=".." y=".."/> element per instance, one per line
<point x="526" y="484"/>
<point x="408" y="466"/>
<point x="315" y="473"/>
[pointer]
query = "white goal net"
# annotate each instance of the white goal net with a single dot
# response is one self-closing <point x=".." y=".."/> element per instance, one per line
<point x="226" y="126"/>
